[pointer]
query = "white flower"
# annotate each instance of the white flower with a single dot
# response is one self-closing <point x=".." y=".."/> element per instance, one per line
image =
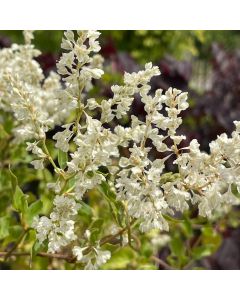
<point x="69" y="35"/>
<point x="92" y="103"/>
<point x="63" y="138"/>
<point x="178" y="199"/>
<point x="88" y="73"/>
<point x="38" y="164"/>
<point x="28" y="36"/>
<point x="107" y="114"/>
<point x="59" y="228"/>
<point x="78" y="252"/>
<point x="102" y="257"/>
<point x="56" y="186"/>
<point x="94" y="259"/>
<point x="237" y="124"/>
<point x="43" y="226"/>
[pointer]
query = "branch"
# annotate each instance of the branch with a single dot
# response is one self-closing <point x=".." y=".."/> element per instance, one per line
<point x="22" y="236"/>
<point x="68" y="258"/>
<point x="111" y="237"/>
<point x="41" y="254"/>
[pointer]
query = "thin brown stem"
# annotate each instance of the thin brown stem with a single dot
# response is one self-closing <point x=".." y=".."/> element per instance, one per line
<point x="67" y="257"/>
<point x="111" y="237"/>
<point x="41" y="254"/>
<point x="48" y="155"/>
<point x="22" y="236"/>
<point x="161" y="263"/>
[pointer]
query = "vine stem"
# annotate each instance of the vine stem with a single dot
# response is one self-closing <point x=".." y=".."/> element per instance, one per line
<point x="161" y="263"/>
<point x="79" y="109"/>
<point x="67" y="257"/>
<point x="48" y="154"/>
<point x="22" y="236"/>
<point x="109" y="238"/>
<point x="71" y="259"/>
<point x="41" y="254"/>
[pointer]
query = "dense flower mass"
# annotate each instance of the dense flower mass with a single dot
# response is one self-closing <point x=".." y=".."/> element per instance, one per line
<point x="59" y="228"/>
<point x="137" y="183"/>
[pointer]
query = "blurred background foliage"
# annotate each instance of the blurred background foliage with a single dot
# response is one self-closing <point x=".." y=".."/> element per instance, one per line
<point x="143" y="44"/>
<point x="204" y="63"/>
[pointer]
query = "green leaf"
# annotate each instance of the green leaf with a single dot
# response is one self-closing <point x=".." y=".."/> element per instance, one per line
<point x="107" y="191"/>
<point x="62" y="159"/>
<point x="120" y="259"/>
<point x="96" y="229"/>
<point x="3" y="133"/>
<point x="14" y="180"/>
<point x="115" y="206"/>
<point x="211" y="238"/>
<point x="187" y="228"/>
<point x="19" y="199"/>
<point x="177" y="247"/>
<point x="202" y="251"/>
<point x="96" y="224"/>
<point x="36" y="248"/>
<point x="172" y="220"/>
<point x="4" y="227"/>
<point x="33" y="210"/>
<point x="85" y="209"/>
<point x="15" y="231"/>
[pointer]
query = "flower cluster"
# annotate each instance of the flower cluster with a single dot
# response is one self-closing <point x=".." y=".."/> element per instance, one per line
<point x="140" y="190"/>
<point x="25" y="92"/>
<point x="59" y="228"/>
<point x="91" y="256"/>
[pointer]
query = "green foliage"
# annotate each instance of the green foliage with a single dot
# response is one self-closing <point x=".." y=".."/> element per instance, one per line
<point x="177" y="43"/>
<point x="4" y="227"/>
<point x="33" y="210"/>
<point x="62" y="159"/>
<point x="142" y="44"/>
<point x="19" y="199"/>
